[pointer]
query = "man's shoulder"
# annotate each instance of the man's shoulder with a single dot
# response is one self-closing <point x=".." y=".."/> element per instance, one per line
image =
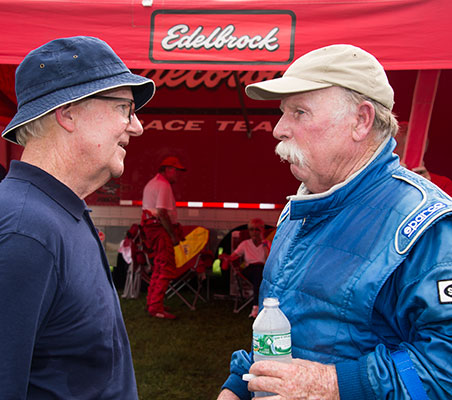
<point x="27" y="210"/>
<point x="429" y="206"/>
<point x="415" y="189"/>
<point x="158" y="181"/>
<point x="405" y="190"/>
<point x="244" y="243"/>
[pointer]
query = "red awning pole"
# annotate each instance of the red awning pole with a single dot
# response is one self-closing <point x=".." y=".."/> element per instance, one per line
<point x="4" y="153"/>
<point x="242" y="104"/>
<point x="421" y="111"/>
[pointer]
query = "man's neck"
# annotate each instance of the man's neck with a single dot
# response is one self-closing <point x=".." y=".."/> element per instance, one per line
<point x="257" y="241"/>
<point x="56" y="163"/>
<point x="343" y="172"/>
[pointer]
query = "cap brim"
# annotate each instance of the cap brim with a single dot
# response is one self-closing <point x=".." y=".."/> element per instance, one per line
<point x="143" y="90"/>
<point x="276" y="89"/>
<point x="178" y="166"/>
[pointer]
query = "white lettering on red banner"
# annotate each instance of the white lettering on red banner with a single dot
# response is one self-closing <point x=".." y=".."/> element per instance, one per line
<point x="179" y="37"/>
<point x="196" y="125"/>
<point x="264" y="37"/>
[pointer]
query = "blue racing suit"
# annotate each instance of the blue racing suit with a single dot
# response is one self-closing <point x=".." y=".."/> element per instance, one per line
<point x="363" y="270"/>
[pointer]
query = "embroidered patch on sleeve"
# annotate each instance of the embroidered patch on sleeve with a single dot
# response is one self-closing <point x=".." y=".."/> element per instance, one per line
<point x="445" y="291"/>
<point x="418" y="220"/>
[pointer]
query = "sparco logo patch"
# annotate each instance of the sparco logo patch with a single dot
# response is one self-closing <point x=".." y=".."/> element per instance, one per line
<point x="222" y="36"/>
<point x="445" y="291"/>
<point x="413" y="225"/>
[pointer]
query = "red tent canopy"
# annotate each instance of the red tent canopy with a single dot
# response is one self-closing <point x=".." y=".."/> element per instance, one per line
<point x="166" y="38"/>
<point x="403" y="34"/>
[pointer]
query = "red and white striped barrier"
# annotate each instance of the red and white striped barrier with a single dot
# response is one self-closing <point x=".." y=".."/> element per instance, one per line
<point x="211" y="204"/>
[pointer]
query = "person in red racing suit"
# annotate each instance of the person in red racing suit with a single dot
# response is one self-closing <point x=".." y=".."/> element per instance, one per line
<point x="162" y="232"/>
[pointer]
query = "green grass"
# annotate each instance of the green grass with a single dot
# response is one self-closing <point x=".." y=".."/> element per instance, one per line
<point x="187" y="358"/>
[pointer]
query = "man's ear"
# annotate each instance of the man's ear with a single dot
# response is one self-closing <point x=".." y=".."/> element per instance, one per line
<point x="65" y="117"/>
<point x="365" y="115"/>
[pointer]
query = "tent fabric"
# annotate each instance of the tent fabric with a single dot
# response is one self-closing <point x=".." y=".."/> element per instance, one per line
<point x="402" y="34"/>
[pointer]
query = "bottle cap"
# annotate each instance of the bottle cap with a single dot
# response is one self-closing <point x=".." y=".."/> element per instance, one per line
<point x="248" y="377"/>
<point x="271" y="301"/>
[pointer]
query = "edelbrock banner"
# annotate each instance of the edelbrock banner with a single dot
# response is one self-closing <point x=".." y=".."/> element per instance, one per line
<point x="222" y="36"/>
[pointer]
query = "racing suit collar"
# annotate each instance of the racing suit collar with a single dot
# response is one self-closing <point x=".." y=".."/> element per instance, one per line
<point x="382" y="163"/>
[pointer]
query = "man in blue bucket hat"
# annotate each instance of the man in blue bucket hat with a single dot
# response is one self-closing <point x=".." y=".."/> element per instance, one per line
<point x="62" y="334"/>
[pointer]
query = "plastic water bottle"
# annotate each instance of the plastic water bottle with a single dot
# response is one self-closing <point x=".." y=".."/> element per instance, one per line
<point x="271" y="336"/>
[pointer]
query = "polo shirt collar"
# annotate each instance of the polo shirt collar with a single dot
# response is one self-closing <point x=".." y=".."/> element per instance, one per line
<point x="51" y="186"/>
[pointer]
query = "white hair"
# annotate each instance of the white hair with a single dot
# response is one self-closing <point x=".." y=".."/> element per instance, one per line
<point x="36" y="128"/>
<point x="385" y="122"/>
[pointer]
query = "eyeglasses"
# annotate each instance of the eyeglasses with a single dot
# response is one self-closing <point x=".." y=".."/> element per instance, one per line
<point x="130" y="102"/>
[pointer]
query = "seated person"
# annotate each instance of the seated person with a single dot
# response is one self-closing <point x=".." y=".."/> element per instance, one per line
<point x="254" y="252"/>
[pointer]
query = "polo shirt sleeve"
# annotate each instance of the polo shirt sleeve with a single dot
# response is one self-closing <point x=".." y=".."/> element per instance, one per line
<point x="28" y="284"/>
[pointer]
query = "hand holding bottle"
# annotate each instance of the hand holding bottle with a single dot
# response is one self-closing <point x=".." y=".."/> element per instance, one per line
<point x="298" y="380"/>
<point x="271" y="336"/>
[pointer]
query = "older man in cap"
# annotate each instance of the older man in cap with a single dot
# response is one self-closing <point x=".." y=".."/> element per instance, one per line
<point x="159" y="221"/>
<point x="62" y="334"/>
<point x="361" y="262"/>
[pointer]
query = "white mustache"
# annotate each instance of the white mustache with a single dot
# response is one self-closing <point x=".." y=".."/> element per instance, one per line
<point x="289" y="151"/>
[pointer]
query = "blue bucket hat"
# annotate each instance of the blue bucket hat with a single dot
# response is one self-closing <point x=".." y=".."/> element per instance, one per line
<point x="66" y="70"/>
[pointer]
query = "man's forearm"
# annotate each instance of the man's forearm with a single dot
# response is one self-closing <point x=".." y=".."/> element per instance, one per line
<point x="226" y="394"/>
<point x="165" y="220"/>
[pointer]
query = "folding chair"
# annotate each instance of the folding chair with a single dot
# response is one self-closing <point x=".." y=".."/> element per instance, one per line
<point x="176" y="285"/>
<point x="192" y="259"/>
<point x="138" y="261"/>
<point x="240" y="288"/>
<point x="243" y="295"/>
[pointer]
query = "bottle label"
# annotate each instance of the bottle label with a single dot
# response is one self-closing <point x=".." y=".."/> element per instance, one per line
<point x="272" y="345"/>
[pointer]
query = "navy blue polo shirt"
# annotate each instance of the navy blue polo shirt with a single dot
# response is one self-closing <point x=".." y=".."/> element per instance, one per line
<point x="62" y="335"/>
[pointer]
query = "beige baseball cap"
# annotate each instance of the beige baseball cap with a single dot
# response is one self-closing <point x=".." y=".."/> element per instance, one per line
<point x="336" y="65"/>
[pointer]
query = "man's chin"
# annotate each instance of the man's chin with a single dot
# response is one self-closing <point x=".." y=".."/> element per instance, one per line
<point x="296" y="171"/>
<point x="117" y="172"/>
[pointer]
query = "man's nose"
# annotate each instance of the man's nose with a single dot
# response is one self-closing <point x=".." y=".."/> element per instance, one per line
<point x="135" y="128"/>
<point x="281" y="130"/>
